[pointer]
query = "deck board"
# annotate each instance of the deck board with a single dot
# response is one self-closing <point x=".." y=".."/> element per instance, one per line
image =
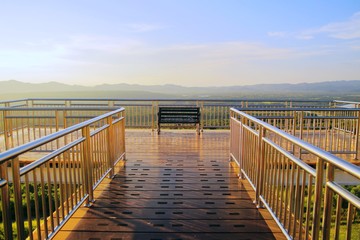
<point x="176" y="185"/>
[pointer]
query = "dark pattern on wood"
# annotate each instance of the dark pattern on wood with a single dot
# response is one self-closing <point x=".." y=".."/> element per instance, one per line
<point x="177" y="185"/>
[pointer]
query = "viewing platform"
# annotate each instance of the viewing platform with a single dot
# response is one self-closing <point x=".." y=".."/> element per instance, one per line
<point x="176" y="185"/>
<point x="97" y="169"/>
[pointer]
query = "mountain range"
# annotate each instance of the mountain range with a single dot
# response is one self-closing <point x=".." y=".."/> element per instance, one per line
<point x="12" y="88"/>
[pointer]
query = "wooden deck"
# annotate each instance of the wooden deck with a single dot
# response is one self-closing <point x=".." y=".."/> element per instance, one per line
<point x="176" y="185"/>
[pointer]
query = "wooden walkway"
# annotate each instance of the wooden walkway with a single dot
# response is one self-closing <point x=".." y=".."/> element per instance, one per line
<point x="177" y="185"/>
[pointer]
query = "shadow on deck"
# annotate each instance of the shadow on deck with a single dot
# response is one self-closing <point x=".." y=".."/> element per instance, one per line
<point x="176" y="185"/>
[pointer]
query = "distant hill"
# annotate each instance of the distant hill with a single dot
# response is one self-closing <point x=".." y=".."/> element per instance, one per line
<point x="15" y="89"/>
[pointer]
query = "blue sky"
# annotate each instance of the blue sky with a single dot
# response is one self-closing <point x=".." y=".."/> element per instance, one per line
<point x="190" y="43"/>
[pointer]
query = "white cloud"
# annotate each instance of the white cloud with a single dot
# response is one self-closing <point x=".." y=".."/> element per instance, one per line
<point x="142" y="27"/>
<point x="346" y="30"/>
<point x="276" y="34"/>
<point x="305" y="36"/>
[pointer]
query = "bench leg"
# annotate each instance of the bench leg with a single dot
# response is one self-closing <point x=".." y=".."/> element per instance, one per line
<point x="158" y="129"/>
<point x="198" y="128"/>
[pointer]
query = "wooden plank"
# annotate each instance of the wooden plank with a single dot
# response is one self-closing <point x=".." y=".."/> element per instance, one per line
<point x="73" y="235"/>
<point x="174" y="186"/>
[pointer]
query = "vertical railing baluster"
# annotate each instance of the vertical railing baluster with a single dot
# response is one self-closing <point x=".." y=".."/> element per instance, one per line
<point x="318" y="198"/>
<point x="328" y="197"/>
<point x="15" y="166"/>
<point x="87" y="157"/>
<point x="260" y="165"/>
<point x="5" y="203"/>
<point x="110" y="144"/>
<point x="357" y="136"/>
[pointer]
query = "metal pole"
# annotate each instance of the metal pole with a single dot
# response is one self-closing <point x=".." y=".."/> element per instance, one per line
<point x="357" y="137"/>
<point x="110" y="145"/>
<point x="301" y="122"/>
<point x="318" y="198"/>
<point x="5" y="203"/>
<point x="328" y="197"/>
<point x="87" y="164"/>
<point x="15" y="166"/>
<point x="260" y="165"/>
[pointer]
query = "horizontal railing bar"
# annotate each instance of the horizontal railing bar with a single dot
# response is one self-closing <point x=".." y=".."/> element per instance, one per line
<point x="344" y="193"/>
<point x="173" y="99"/>
<point x="329" y="117"/>
<point x="294" y="159"/>
<point x="332" y="152"/>
<point x="93" y="133"/>
<point x="3" y="182"/>
<point x="27" y="117"/>
<point x="31" y="166"/>
<point x="300" y="109"/>
<point x="273" y="117"/>
<point x="14" y="100"/>
<point x="338" y="162"/>
<point x="51" y="137"/>
<point x="305" y="117"/>
<point x="57" y="108"/>
<point x="76" y="117"/>
<point x="117" y="120"/>
<point x="251" y="130"/>
<point x="341" y="101"/>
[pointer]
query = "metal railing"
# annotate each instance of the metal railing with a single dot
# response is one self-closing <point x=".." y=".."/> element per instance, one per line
<point x="143" y="112"/>
<point x="333" y="130"/>
<point x="305" y="202"/>
<point x="25" y="124"/>
<point x="46" y="192"/>
<point x="351" y="104"/>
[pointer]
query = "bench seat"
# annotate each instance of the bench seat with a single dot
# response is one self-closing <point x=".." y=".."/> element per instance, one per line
<point x="179" y="115"/>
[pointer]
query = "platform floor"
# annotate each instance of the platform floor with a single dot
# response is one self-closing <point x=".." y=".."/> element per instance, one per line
<point x="176" y="185"/>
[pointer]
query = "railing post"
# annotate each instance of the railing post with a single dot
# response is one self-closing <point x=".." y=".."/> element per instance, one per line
<point x="357" y="136"/>
<point x="7" y="131"/>
<point x="5" y="202"/>
<point x="301" y="123"/>
<point x="123" y="114"/>
<point x="110" y="145"/>
<point x="328" y="197"/>
<point x="318" y="198"/>
<point x="88" y="164"/>
<point x="231" y="136"/>
<point x="260" y="166"/>
<point x="201" y="116"/>
<point x="294" y="128"/>
<point x="241" y="147"/>
<point x="153" y="108"/>
<point x="19" y="217"/>
<point x="110" y="103"/>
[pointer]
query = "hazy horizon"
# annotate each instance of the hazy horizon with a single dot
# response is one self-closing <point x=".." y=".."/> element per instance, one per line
<point x="186" y="43"/>
<point x="175" y="84"/>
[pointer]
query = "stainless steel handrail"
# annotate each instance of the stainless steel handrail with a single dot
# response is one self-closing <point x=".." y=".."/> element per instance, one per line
<point x="14" y="152"/>
<point x="63" y="179"/>
<point x="338" y="162"/>
<point x="290" y="189"/>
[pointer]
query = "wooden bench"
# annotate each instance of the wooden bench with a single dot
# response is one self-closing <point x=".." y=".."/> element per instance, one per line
<point x="179" y="115"/>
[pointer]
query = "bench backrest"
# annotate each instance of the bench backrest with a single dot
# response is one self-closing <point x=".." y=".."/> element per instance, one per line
<point x="179" y="115"/>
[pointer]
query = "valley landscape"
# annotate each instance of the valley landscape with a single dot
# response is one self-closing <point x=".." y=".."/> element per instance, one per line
<point x="332" y="90"/>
